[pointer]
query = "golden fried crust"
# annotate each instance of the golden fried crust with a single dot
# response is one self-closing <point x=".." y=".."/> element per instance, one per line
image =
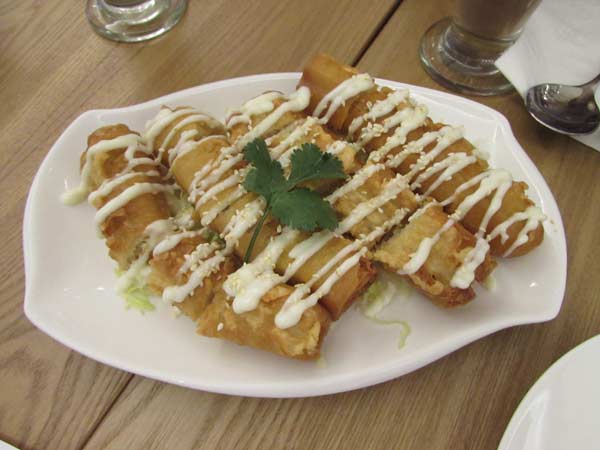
<point x="257" y="328"/>
<point x="105" y="165"/>
<point x="208" y="302"/>
<point x="201" y="128"/>
<point x="373" y="187"/>
<point x="124" y="229"/>
<point x="209" y="306"/>
<point x="515" y="199"/>
<point x="165" y="273"/>
<point x="240" y="129"/>
<point x="349" y="288"/>
<point x="322" y="138"/>
<point x="323" y="73"/>
<point x="185" y="166"/>
<point x="433" y="278"/>
<point x="343" y="293"/>
<point x="346" y="205"/>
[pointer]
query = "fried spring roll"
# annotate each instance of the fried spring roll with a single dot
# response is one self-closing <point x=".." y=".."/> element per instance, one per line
<point x="210" y="308"/>
<point x="437" y="159"/>
<point x="116" y="169"/>
<point x="111" y="173"/>
<point x="106" y="169"/>
<point x="166" y="272"/>
<point x="444" y="269"/>
<point x="211" y="171"/>
<point x="343" y="293"/>
<point x="166" y="129"/>
<point x="257" y="328"/>
<point x="375" y="202"/>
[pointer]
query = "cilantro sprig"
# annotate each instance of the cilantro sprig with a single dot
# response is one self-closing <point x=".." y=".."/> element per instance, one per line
<point x="297" y="207"/>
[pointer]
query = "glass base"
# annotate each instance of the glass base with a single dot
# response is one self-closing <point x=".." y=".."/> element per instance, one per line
<point x="461" y="61"/>
<point x="134" y="21"/>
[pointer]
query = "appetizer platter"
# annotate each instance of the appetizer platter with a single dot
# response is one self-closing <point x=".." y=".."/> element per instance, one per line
<point x="301" y="224"/>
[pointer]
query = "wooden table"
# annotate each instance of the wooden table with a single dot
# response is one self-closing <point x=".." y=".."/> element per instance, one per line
<point x="52" y="68"/>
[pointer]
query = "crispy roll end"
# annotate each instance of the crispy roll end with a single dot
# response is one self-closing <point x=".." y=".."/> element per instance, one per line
<point x="257" y="328"/>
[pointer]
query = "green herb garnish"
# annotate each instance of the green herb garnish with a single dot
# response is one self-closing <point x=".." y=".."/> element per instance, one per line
<point x="297" y="207"/>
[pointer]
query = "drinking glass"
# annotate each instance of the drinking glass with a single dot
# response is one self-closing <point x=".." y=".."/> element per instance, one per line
<point x="134" y="20"/>
<point x="459" y="52"/>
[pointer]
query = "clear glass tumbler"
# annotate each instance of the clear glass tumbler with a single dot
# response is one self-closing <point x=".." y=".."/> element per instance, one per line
<point x="459" y="52"/>
<point x="134" y="20"/>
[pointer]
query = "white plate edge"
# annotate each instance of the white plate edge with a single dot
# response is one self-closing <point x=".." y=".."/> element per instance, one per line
<point x="340" y="383"/>
<point x="520" y="412"/>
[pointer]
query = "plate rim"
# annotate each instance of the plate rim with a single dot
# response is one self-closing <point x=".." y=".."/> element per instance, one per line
<point x="339" y="383"/>
<point x="554" y="369"/>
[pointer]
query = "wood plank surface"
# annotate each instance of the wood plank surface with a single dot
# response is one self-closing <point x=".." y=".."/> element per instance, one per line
<point x="52" y="68"/>
<point x="463" y="401"/>
<point x="502" y="367"/>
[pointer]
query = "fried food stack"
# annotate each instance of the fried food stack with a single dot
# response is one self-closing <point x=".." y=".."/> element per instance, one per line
<point x="418" y="200"/>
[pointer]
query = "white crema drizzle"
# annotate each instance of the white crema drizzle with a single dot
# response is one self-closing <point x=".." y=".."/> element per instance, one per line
<point x="126" y="196"/>
<point x="109" y="184"/>
<point x="138" y="270"/>
<point x="186" y="145"/>
<point x="410" y="119"/>
<point x="379" y="109"/>
<point x="340" y="94"/>
<point x="494" y="181"/>
<point x="406" y="120"/>
<point x="208" y="182"/>
<point x="167" y="116"/>
<point x="173" y="240"/>
<point x="253" y="280"/>
<point x="239" y="224"/>
<point x="132" y="145"/>
<point x="249" y="283"/>
<point x="296" y="101"/>
<point x="497" y="181"/>
<point x="129" y="141"/>
<point x="159" y="236"/>
<point x="258" y="105"/>
<point x="464" y="275"/>
<point x="299" y="301"/>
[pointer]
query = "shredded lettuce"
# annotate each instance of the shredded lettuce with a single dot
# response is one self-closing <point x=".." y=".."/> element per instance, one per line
<point x="135" y="293"/>
<point x="377" y="297"/>
<point x="404" y="331"/>
<point x="138" y="298"/>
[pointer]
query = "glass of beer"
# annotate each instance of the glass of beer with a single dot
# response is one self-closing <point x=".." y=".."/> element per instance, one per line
<point x="459" y="52"/>
<point x="134" y="20"/>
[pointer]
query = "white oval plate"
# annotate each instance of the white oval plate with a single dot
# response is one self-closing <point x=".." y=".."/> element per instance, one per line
<point x="562" y="409"/>
<point x="70" y="283"/>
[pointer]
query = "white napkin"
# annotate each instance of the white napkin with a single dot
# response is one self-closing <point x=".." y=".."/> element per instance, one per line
<point x="560" y="44"/>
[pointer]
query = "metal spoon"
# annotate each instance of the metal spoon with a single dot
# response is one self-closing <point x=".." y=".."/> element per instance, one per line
<point x="565" y="109"/>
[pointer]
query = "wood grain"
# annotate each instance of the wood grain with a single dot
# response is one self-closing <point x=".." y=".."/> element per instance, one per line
<point x="52" y="68"/>
<point x="506" y="364"/>
<point x="463" y="401"/>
